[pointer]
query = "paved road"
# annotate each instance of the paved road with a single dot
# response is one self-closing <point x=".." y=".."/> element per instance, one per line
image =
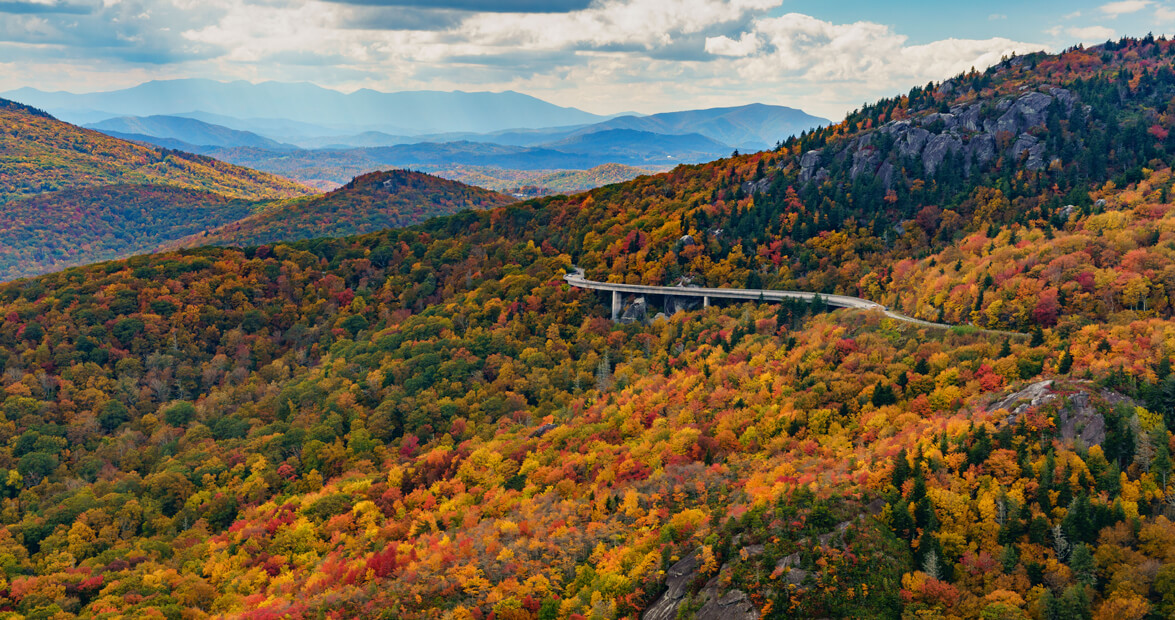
<point x="576" y="279"/>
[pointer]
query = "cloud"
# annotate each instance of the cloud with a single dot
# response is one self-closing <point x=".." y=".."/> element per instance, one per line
<point x="996" y="17"/>
<point x="1091" y="34"/>
<point x="600" y="55"/>
<point x="485" y="6"/>
<point x="746" y="45"/>
<point x="1164" y="14"/>
<point x="1124" y="7"/>
<point x="381" y="18"/>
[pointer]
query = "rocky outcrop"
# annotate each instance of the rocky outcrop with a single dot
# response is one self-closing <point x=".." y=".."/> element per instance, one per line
<point x="635" y="310"/>
<point x="981" y="149"/>
<point x="972" y="132"/>
<point x="752" y="187"/>
<point x="809" y="164"/>
<point x="1078" y="417"/>
<point x="677" y="581"/>
<point x="1030" y="110"/>
<point x="937" y="150"/>
<point x="1031" y="150"/>
<point x="733" y="604"/>
<point x="864" y="160"/>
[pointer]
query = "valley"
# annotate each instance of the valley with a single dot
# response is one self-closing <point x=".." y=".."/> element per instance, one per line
<point x="914" y="363"/>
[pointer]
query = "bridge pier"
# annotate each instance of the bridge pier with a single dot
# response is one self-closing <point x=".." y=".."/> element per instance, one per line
<point x="615" y="306"/>
<point x="706" y="301"/>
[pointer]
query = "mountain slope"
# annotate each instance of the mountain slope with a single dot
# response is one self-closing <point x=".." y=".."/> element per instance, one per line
<point x="368" y="203"/>
<point x="428" y="422"/>
<point x="42" y="154"/>
<point x="424" y="111"/>
<point x="187" y="130"/>
<point x="53" y="231"/>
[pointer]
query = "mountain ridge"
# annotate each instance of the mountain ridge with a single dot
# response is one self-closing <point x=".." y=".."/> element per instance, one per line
<point x="45" y="154"/>
<point x="304" y="102"/>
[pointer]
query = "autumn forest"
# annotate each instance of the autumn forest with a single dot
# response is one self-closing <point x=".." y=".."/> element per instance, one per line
<point x="386" y="402"/>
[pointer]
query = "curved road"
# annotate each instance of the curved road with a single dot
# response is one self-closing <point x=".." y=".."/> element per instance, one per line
<point x="576" y="279"/>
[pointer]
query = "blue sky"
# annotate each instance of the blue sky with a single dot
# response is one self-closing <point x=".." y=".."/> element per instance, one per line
<point x="601" y="55"/>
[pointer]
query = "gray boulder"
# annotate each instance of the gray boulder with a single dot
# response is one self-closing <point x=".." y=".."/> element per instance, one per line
<point x="864" y="161"/>
<point x="981" y="148"/>
<point x="733" y="605"/>
<point x="1065" y="97"/>
<point x="1031" y="149"/>
<point x="949" y="121"/>
<point x="751" y="187"/>
<point x="937" y="149"/>
<point x="676" y="581"/>
<point x="911" y="141"/>
<point x="968" y="117"/>
<point x="809" y="164"/>
<point x="1030" y="110"/>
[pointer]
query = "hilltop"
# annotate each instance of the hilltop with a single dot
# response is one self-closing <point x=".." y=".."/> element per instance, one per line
<point x="42" y="154"/>
<point x="428" y="422"/>
<point x="368" y="203"/>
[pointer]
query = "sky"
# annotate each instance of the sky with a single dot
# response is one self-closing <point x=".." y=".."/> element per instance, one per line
<point x="605" y="56"/>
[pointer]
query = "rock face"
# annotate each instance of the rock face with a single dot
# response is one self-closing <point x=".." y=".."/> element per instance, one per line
<point x="1031" y="149"/>
<point x="634" y="311"/>
<point x="751" y="187"/>
<point x="1078" y="418"/>
<point x="731" y="605"/>
<point x="809" y="163"/>
<point x="937" y="150"/>
<point x="677" y="581"/>
<point x="972" y="132"/>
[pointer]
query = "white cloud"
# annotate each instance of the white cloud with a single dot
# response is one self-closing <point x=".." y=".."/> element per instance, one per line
<point x="615" y="55"/>
<point x="1124" y="7"/>
<point x="746" y="45"/>
<point x="997" y="17"/>
<point x="1091" y="34"/>
<point x="852" y="63"/>
<point x="1164" y="14"/>
<point x="646" y="23"/>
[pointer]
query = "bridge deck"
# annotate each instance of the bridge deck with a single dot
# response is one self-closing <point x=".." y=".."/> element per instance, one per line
<point x="576" y="279"/>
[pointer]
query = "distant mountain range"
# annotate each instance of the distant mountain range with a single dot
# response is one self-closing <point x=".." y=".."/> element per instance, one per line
<point x="71" y="196"/>
<point x="422" y="111"/>
<point x="42" y="154"/>
<point x="185" y="130"/>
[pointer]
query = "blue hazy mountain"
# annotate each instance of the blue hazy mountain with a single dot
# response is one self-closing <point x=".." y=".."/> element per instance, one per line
<point x="642" y="148"/>
<point x="187" y="130"/>
<point x="750" y="127"/>
<point x="421" y="111"/>
<point x="756" y="126"/>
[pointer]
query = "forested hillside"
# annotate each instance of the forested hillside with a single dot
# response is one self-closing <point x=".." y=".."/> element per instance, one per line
<point x="42" y="154"/>
<point x="49" y="232"/>
<point x="368" y="203"/>
<point x="428" y="422"/>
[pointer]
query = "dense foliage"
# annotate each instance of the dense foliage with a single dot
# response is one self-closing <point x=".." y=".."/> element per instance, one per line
<point x="42" y="154"/>
<point x="368" y="203"/>
<point x="62" y="229"/>
<point x="428" y="422"/>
